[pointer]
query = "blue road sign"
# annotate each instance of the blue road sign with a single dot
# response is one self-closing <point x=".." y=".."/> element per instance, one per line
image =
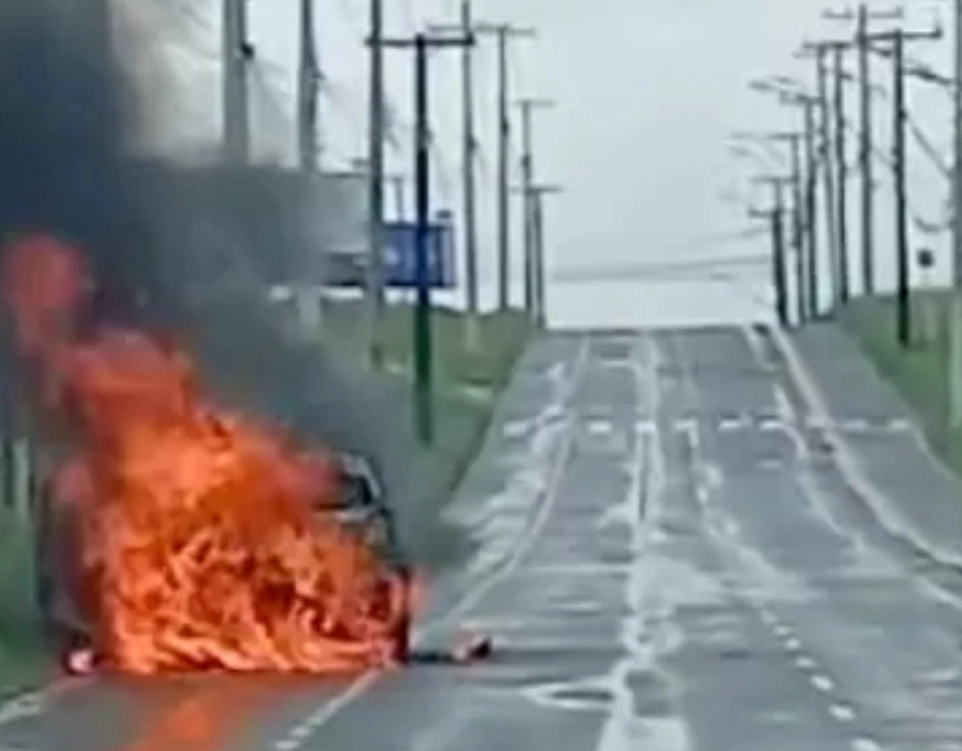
<point x="400" y="259"/>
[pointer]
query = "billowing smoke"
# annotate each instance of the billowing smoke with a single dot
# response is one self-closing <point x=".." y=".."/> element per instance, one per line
<point x="179" y="254"/>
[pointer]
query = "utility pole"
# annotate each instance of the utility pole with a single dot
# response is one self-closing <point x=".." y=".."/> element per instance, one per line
<point x="374" y="291"/>
<point x="897" y="39"/>
<point x="825" y="157"/>
<point x="397" y="184"/>
<point x="306" y="294"/>
<point x="528" y="105"/>
<point x="865" y="151"/>
<point x="835" y="172"/>
<point x="841" y="174"/>
<point x="955" y="325"/>
<point x="308" y="80"/>
<point x="811" y="189"/>
<point x="862" y="18"/>
<point x="423" y="345"/>
<point x="504" y="33"/>
<point x="903" y="313"/>
<point x="775" y="217"/>
<point x="469" y="154"/>
<point x="237" y="52"/>
<point x="536" y="194"/>
<point x="805" y="199"/>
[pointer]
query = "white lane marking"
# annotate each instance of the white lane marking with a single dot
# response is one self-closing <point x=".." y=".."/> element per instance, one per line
<point x="645" y="427"/>
<point x="363" y="683"/>
<point x="300" y="732"/>
<point x="728" y="424"/>
<point x="781" y="630"/>
<point x="685" y="425"/>
<point x="771" y="425"/>
<point x="600" y="427"/>
<point x="842" y="712"/>
<point x="804" y="662"/>
<point x="822" y="682"/>
<point x="793" y="644"/>
<point x="854" y="425"/>
<point x="516" y="428"/>
<point x="864" y="744"/>
<point x="899" y="426"/>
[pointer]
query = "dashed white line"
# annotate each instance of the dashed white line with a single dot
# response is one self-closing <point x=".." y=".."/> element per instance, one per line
<point x="769" y="425"/>
<point x="728" y="424"/>
<point x="792" y="644"/>
<point x="822" y="682"/>
<point x="600" y="427"/>
<point x="804" y="662"/>
<point x="645" y="427"/>
<point x="898" y="426"/>
<point x="842" y="712"/>
<point x="854" y="425"/>
<point x="864" y="744"/>
<point x="781" y="630"/>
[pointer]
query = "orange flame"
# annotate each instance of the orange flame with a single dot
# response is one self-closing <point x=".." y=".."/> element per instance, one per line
<point x="202" y="544"/>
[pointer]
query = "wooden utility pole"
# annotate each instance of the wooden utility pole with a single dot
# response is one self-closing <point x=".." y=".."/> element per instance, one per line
<point x="423" y="345"/>
<point x="955" y="314"/>
<point x="504" y="33"/>
<point x="374" y="283"/>
<point x="775" y="216"/>
<point x="528" y="105"/>
<point x="237" y="53"/>
<point x="841" y="174"/>
<point x="308" y="84"/>
<point x="469" y="155"/>
<point x="862" y="17"/>
<point x="896" y="38"/>
<point x="825" y="158"/>
<point x="536" y="193"/>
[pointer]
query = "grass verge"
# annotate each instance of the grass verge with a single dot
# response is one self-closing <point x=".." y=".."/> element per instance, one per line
<point x="23" y="658"/>
<point x="919" y="373"/>
<point x="468" y="381"/>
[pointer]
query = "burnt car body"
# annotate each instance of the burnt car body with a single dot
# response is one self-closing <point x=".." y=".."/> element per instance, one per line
<point x="362" y="508"/>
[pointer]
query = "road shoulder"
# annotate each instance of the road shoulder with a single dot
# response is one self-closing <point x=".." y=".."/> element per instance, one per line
<point x="875" y="439"/>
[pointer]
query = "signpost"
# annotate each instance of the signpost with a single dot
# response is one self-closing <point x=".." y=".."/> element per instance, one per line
<point x="399" y="262"/>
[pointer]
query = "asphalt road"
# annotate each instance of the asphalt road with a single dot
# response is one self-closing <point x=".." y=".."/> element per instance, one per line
<point x="670" y="559"/>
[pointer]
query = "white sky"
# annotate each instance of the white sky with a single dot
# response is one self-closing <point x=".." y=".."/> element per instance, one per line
<point x="647" y="93"/>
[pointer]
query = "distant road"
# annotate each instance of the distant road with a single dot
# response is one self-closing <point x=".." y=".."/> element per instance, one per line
<point x="705" y="267"/>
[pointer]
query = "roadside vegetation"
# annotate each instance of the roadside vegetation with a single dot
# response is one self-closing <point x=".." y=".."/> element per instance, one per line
<point x="919" y="373"/>
<point x="467" y="383"/>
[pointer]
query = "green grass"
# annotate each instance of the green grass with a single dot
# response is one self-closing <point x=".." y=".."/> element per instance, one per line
<point x="919" y="373"/>
<point x="23" y="660"/>
<point x="467" y="382"/>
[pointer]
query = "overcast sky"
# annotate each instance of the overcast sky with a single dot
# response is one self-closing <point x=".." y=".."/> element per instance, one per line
<point x="646" y="94"/>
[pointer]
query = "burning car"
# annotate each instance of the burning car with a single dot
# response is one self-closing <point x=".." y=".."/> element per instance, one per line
<point x="362" y="510"/>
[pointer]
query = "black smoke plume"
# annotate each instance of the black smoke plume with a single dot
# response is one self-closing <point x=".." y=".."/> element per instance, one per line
<point x="182" y="251"/>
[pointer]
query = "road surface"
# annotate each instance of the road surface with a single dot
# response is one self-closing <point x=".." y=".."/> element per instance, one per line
<point x="671" y="559"/>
